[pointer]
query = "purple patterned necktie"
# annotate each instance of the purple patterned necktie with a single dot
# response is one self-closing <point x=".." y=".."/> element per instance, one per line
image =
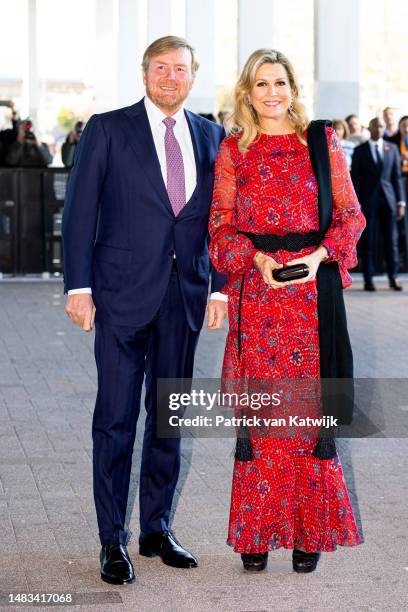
<point x="176" y="187"/>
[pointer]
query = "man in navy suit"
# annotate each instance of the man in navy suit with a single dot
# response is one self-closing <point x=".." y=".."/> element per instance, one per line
<point x="376" y="175"/>
<point x="136" y="254"/>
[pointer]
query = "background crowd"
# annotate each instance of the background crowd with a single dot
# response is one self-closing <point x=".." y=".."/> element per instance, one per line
<point x="20" y="147"/>
<point x="377" y="157"/>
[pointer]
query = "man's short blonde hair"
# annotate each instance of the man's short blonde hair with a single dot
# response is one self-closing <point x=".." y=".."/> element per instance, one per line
<point x="166" y="43"/>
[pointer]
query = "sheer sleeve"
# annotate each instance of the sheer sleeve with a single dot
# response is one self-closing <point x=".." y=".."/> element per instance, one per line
<point x="348" y="221"/>
<point x="230" y="252"/>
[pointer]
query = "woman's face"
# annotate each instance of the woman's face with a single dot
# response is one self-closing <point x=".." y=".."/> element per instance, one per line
<point x="354" y="125"/>
<point x="271" y="94"/>
<point x="339" y="129"/>
<point x="404" y="127"/>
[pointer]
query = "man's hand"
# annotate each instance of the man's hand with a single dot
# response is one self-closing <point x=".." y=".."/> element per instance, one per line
<point x="73" y="137"/>
<point x="400" y="212"/>
<point x="21" y="137"/>
<point x="217" y="311"/>
<point x="81" y="310"/>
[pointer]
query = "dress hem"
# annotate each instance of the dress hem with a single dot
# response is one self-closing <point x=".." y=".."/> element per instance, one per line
<point x="255" y="550"/>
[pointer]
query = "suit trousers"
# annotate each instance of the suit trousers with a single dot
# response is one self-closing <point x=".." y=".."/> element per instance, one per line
<point x="125" y="357"/>
<point x="383" y="214"/>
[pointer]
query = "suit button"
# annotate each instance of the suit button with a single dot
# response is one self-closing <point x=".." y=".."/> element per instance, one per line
<point x="171" y="253"/>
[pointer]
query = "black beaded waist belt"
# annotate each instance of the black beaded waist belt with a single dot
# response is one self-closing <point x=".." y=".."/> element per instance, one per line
<point x="288" y="242"/>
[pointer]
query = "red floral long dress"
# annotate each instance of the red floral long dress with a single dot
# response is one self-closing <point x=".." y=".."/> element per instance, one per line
<point x="283" y="497"/>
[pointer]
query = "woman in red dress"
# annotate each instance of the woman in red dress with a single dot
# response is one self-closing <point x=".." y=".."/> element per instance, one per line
<point x="285" y="496"/>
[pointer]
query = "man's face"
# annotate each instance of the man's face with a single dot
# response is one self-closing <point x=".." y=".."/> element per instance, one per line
<point x="389" y="116"/>
<point x="376" y="127"/>
<point x="169" y="79"/>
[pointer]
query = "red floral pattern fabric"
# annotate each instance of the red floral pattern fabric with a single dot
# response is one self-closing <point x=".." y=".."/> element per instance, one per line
<point x="284" y="496"/>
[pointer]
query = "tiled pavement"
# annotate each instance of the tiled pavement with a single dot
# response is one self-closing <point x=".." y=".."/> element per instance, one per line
<point x="48" y="534"/>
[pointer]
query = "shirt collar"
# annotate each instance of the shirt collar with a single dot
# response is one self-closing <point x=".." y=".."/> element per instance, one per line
<point x="156" y="115"/>
<point x="375" y="143"/>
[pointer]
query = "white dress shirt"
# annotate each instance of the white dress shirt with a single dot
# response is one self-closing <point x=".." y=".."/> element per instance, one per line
<point x="182" y="133"/>
<point x="373" y="146"/>
<point x="183" y="137"/>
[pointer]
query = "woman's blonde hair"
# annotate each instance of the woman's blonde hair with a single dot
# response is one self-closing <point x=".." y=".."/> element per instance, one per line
<point x="244" y="117"/>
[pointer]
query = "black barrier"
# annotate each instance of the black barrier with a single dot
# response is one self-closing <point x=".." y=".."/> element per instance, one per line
<point x="8" y="222"/>
<point x="31" y="205"/>
<point x="54" y="188"/>
<point x="31" y="231"/>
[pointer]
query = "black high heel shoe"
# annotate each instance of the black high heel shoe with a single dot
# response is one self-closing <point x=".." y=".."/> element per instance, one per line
<point x="304" y="562"/>
<point x="254" y="562"/>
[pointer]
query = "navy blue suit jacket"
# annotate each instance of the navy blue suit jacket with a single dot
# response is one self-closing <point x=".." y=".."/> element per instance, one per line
<point x="370" y="182"/>
<point x="119" y="230"/>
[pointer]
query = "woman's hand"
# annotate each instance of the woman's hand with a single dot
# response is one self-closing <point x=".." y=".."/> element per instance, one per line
<point x="312" y="261"/>
<point x="266" y="265"/>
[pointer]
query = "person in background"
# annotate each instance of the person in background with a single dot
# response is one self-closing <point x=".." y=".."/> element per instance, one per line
<point x="376" y="174"/>
<point x="69" y="147"/>
<point x="27" y="151"/>
<point x="400" y="138"/>
<point x="222" y="116"/>
<point x="8" y="136"/>
<point x="342" y="132"/>
<point x="358" y="134"/>
<point x="390" y="123"/>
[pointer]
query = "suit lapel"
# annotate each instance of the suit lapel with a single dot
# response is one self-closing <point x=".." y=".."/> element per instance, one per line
<point x="387" y="159"/>
<point x="198" y="137"/>
<point x="142" y="143"/>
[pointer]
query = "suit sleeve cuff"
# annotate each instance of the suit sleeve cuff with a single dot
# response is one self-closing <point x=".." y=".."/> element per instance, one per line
<point x="217" y="295"/>
<point x="87" y="290"/>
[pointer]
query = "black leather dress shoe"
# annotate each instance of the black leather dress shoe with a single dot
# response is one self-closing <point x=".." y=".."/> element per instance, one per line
<point x="254" y="562"/>
<point x="116" y="567"/>
<point x="394" y="284"/>
<point x="304" y="562"/>
<point x="369" y="287"/>
<point x="165" y="545"/>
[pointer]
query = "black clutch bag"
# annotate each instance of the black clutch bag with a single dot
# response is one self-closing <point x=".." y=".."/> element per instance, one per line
<point x="290" y="272"/>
